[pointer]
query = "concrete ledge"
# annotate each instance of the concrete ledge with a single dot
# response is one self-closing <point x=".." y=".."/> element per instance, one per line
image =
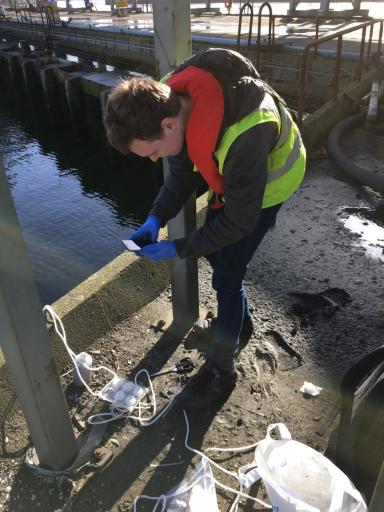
<point x="111" y="295"/>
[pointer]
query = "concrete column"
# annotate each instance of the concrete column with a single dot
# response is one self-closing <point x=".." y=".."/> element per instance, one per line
<point x="292" y="5"/>
<point x="27" y="347"/>
<point x="5" y="69"/>
<point x="72" y="87"/>
<point x="324" y="6"/>
<point x="30" y="74"/>
<point x="103" y="100"/>
<point x="48" y="82"/>
<point x="173" y="38"/>
<point x="14" y="67"/>
<point x="173" y="44"/>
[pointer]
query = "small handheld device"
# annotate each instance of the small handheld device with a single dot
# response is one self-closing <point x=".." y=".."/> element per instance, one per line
<point x="136" y="245"/>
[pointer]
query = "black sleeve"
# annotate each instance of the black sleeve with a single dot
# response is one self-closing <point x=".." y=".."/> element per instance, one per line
<point x="245" y="177"/>
<point x="179" y="184"/>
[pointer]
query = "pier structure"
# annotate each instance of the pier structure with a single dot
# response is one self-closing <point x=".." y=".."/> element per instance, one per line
<point x="323" y="74"/>
<point x="308" y="59"/>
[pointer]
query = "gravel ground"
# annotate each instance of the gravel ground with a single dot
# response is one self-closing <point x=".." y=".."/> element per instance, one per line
<point x="311" y="250"/>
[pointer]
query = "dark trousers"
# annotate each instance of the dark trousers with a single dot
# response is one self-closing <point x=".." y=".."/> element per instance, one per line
<point x="229" y="266"/>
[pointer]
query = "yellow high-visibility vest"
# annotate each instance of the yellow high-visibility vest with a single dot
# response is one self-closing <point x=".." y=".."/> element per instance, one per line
<point x="286" y="161"/>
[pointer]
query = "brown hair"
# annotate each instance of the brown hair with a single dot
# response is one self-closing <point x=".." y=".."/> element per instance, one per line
<point x="135" y="109"/>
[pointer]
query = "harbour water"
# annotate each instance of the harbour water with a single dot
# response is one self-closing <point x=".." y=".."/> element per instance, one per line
<point x="75" y="197"/>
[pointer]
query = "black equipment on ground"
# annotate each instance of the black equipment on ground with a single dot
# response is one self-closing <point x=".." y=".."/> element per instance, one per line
<point x="182" y="367"/>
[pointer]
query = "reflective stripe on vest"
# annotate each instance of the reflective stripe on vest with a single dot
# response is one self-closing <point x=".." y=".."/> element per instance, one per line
<point x="286" y="161"/>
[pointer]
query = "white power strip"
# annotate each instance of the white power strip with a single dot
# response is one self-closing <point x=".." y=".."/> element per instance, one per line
<point x="124" y="396"/>
<point x="123" y="393"/>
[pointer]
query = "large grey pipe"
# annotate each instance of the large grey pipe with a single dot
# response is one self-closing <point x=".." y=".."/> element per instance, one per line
<point x="357" y="173"/>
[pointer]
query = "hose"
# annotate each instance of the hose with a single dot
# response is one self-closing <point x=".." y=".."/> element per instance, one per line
<point x="360" y="174"/>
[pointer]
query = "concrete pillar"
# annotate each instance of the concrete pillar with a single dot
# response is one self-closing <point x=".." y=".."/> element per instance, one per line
<point x="14" y="68"/>
<point x="30" y="74"/>
<point x="173" y="37"/>
<point x="292" y="5"/>
<point x="324" y="6"/>
<point x="5" y="71"/>
<point x="173" y="44"/>
<point x="72" y="87"/>
<point x="27" y="347"/>
<point x="48" y="82"/>
<point x="103" y="100"/>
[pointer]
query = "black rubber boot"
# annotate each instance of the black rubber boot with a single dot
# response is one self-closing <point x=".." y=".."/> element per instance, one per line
<point x="209" y="385"/>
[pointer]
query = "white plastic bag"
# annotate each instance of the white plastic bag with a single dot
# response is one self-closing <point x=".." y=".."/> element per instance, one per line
<point x="196" y="493"/>
<point x="298" y="478"/>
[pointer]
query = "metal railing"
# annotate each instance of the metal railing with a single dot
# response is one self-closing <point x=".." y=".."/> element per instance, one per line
<point x="271" y="29"/>
<point x="247" y="9"/>
<point x="364" y="56"/>
<point x="23" y="15"/>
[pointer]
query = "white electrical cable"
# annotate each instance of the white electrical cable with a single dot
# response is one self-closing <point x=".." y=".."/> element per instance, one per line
<point x="239" y="492"/>
<point x="62" y="335"/>
<point x="119" y="412"/>
<point x="182" y="490"/>
<point x="230" y="473"/>
<point x="158" y="499"/>
<point x="116" y="409"/>
<point x="163" y="497"/>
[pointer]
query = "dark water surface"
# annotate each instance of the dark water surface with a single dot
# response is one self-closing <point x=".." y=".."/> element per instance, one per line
<point x="75" y="197"/>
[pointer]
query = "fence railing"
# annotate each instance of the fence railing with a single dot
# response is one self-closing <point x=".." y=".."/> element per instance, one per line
<point x="364" y="56"/>
<point x="247" y="9"/>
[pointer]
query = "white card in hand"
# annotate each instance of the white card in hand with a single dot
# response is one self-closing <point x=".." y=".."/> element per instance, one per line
<point x="130" y="245"/>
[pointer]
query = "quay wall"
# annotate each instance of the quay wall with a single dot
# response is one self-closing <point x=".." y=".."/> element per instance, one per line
<point x="57" y="77"/>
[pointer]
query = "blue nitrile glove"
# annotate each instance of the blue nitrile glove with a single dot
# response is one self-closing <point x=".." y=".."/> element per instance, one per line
<point x="163" y="250"/>
<point x="147" y="231"/>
